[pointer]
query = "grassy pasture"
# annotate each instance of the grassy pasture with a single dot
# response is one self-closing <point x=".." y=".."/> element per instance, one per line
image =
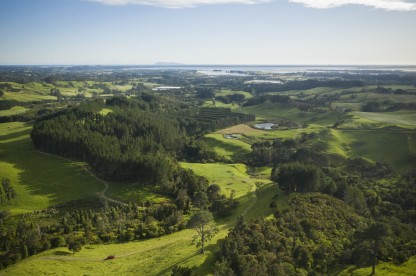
<point x="370" y="96"/>
<point x="402" y="118"/>
<point x="39" y="180"/>
<point x="27" y="96"/>
<point x="227" y="176"/>
<point x="269" y="111"/>
<point x="105" y="111"/>
<point x="227" y="92"/>
<point x="28" y="92"/>
<point x="382" y="268"/>
<point x="393" y="147"/>
<point x="350" y="105"/>
<point x="243" y="129"/>
<point x="158" y="256"/>
<point x="13" y="111"/>
<point x="228" y="148"/>
<point x="209" y="103"/>
<point x="337" y="142"/>
<point x="40" y="91"/>
<point x="269" y="134"/>
<point x="131" y="192"/>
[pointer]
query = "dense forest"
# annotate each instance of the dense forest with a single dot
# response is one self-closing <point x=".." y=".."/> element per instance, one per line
<point x="137" y="142"/>
<point x="314" y="233"/>
<point x="355" y="215"/>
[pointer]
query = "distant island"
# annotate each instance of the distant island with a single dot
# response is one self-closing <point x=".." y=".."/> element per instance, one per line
<point x="168" y="63"/>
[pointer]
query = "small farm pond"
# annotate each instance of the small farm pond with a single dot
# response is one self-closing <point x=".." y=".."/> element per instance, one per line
<point x="265" y="126"/>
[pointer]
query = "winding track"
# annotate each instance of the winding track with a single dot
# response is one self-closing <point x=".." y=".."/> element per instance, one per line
<point x="87" y="169"/>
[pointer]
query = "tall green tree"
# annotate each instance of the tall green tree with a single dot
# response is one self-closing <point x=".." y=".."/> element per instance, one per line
<point x="75" y="245"/>
<point x="375" y="233"/>
<point x="203" y="224"/>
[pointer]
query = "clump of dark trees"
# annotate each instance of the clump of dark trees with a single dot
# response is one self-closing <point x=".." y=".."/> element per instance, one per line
<point x="138" y="142"/>
<point x="7" y="192"/>
<point x="317" y="231"/>
<point x="314" y="233"/>
<point x="354" y="213"/>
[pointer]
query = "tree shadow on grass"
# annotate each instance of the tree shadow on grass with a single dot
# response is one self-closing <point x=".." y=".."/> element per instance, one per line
<point x="62" y="253"/>
<point x="168" y="269"/>
<point x="55" y="180"/>
<point x="235" y="150"/>
<point x="14" y="135"/>
<point x="208" y="264"/>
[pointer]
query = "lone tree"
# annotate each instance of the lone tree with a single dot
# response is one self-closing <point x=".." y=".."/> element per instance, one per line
<point x="375" y="233"/>
<point x="75" y="246"/>
<point x="203" y="223"/>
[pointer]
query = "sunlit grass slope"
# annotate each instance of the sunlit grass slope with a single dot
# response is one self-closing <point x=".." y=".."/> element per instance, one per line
<point x="394" y="147"/>
<point x="41" y="91"/>
<point x="228" y="176"/>
<point x="228" y="148"/>
<point x="133" y="192"/>
<point x="402" y="118"/>
<point x="39" y="180"/>
<point x="13" y="111"/>
<point x="159" y="255"/>
<point x="226" y="92"/>
<point x="269" y="111"/>
<point x="28" y="92"/>
<point x="383" y="269"/>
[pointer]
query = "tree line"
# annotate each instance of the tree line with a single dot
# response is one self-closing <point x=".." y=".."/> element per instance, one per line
<point x="314" y="233"/>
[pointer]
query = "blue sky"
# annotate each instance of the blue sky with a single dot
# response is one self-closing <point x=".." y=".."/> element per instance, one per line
<point x="208" y="32"/>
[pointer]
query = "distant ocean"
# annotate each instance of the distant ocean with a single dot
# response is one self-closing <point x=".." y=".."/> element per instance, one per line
<point x="238" y="69"/>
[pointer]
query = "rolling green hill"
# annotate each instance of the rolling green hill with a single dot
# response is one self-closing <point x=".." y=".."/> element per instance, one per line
<point x="39" y="180"/>
<point x="158" y="256"/>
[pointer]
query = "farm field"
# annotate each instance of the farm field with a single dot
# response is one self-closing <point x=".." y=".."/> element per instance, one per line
<point x="228" y="148"/>
<point x="131" y="192"/>
<point x="210" y="103"/>
<point x="393" y="147"/>
<point x="401" y="118"/>
<point x="41" y="91"/>
<point x="226" y="92"/>
<point x="228" y="176"/>
<point x="269" y="111"/>
<point x="13" y="111"/>
<point x="32" y="91"/>
<point x="252" y="132"/>
<point x="105" y="111"/>
<point x="39" y="180"/>
<point x="383" y="268"/>
<point x="362" y="97"/>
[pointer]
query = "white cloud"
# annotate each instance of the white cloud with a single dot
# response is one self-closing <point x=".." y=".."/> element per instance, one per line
<point x="177" y="3"/>
<point x="390" y="5"/>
